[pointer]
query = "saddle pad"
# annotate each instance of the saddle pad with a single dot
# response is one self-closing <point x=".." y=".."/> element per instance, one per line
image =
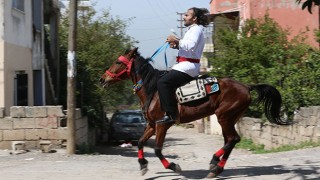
<point x="211" y="84"/>
<point x="192" y="91"/>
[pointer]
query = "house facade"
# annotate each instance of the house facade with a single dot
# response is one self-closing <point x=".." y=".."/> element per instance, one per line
<point x="28" y="53"/>
<point x="287" y="13"/>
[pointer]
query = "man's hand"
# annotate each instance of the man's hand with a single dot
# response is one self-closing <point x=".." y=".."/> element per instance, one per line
<point x="173" y="41"/>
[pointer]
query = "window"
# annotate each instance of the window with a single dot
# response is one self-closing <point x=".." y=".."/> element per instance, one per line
<point x="21" y="89"/>
<point x="18" y="4"/>
<point x="128" y="118"/>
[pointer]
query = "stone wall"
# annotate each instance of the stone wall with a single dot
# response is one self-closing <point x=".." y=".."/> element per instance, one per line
<point x="33" y="124"/>
<point x="306" y="127"/>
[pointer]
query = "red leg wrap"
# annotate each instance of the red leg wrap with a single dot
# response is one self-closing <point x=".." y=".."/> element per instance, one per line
<point x="219" y="153"/>
<point x="140" y="154"/>
<point x="222" y="162"/>
<point x="165" y="163"/>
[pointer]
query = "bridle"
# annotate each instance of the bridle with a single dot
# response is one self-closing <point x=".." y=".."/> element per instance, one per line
<point x="127" y="70"/>
<point x="128" y="63"/>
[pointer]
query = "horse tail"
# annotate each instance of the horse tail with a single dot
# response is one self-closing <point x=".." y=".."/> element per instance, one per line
<point x="272" y="100"/>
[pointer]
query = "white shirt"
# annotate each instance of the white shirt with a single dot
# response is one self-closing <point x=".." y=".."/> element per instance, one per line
<point x="191" y="46"/>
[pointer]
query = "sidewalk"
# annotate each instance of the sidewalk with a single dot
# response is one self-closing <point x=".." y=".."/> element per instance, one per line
<point x="191" y="150"/>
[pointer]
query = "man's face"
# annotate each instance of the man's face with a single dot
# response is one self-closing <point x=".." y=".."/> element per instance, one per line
<point x="189" y="18"/>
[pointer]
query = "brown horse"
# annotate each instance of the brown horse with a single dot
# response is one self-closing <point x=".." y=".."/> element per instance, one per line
<point x="229" y="104"/>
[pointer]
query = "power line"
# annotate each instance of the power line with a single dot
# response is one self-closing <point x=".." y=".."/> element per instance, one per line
<point x="154" y="17"/>
<point x="179" y="5"/>
<point x="153" y="38"/>
<point x="147" y="28"/>
<point x="173" y="3"/>
<point x="157" y="14"/>
<point x="166" y="9"/>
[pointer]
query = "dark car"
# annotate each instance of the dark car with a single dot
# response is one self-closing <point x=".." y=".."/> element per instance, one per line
<point x="127" y="125"/>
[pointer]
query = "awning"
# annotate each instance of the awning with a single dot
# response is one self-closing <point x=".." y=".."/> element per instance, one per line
<point x="228" y="14"/>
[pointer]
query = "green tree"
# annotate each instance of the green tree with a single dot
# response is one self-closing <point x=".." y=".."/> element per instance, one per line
<point x="262" y="53"/>
<point x="100" y="40"/>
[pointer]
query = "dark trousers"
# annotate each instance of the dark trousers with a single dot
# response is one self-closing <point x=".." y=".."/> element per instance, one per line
<point x="167" y="86"/>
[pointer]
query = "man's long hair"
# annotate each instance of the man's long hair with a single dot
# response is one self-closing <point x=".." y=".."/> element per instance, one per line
<point x="202" y="15"/>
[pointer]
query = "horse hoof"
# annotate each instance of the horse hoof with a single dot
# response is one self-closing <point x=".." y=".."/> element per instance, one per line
<point x="178" y="169"/>
<point x="214" y="172"/>
<point x="211" y="175"/>
<point x="144" y="171"/>
<point x="174" y="167"/>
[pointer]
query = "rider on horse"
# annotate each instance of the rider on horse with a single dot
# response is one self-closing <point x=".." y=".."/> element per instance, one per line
<point x="188" y="61"/>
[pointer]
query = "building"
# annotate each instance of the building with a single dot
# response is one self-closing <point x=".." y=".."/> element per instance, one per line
<point x="207" y="50"/>
<point x="287" y="13"/>
<point x="29" y="57"/>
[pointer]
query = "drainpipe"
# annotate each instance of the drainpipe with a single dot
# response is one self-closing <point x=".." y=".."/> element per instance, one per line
<point x="43" y="73"/>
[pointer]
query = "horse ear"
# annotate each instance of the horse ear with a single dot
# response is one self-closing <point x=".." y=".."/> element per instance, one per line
<point x="133" y="52"/>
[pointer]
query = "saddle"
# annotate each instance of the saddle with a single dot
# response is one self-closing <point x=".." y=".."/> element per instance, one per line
<point x="197" y="89"/>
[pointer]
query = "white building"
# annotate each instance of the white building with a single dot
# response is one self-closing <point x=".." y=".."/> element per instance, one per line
<point x="29" y="62"/>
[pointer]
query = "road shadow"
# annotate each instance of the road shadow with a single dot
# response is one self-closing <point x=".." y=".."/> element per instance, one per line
<point x="305" y="170"/>
<point x="116" y="149"/>
<point x="308" y="171"/>
<point x="126" y="152"/>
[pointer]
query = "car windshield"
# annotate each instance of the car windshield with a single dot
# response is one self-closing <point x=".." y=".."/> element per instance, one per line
<point x="127" y="118"/>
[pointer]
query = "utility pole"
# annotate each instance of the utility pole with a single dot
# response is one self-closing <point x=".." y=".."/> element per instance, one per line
<point x="181" y="25"/>
<point x="71" y="84"/>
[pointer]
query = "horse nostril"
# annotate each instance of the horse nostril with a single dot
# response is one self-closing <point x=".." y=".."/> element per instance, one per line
<point x="101" y="80"/>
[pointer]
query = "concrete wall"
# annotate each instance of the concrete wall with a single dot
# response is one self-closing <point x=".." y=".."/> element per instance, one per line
<point x="306" y="127"/>
<point x="289" y="15"/>
<point x="33" y="124"/>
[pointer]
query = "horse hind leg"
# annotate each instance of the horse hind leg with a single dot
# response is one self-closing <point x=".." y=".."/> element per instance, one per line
<point x="220" y="158"/>
<point x="148" y="133"/>
<point x="231" y="138"/>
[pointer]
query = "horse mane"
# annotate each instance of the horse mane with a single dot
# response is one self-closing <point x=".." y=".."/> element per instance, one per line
<point x="149" y="76"/>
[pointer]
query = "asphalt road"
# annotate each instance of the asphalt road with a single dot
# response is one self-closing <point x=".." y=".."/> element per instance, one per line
<point x="191" y="150"/>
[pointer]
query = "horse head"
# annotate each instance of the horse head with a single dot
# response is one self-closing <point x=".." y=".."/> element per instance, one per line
<point x="119" y="69"/>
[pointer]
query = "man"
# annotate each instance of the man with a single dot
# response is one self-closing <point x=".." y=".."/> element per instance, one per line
<point x="188" y="61"/>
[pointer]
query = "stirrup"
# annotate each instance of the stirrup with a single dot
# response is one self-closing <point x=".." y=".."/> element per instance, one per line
<point x="166" y="119"/>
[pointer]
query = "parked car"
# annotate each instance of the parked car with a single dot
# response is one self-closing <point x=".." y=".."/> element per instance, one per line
<point x="127" y="125"/>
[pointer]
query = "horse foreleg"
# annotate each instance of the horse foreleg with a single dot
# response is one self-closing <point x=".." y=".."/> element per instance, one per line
<point x="174" y="167"/>
<point x="160" y="137"/>
<point x="149" y="132"/>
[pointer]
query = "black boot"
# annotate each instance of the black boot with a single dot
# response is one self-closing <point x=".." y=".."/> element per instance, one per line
<point x="167" y="119"/>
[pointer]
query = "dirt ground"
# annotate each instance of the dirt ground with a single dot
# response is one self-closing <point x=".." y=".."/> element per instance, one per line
<point x="191" y="150"/>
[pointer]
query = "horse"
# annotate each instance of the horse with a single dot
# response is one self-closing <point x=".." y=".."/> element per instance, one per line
<point x="229" y="104"/>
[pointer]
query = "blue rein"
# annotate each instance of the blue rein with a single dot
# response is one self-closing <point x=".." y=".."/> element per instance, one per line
<point x="136" y="87"/>
<point x="161" y="48"/>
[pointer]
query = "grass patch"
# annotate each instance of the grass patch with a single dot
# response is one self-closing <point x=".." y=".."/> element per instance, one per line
<point x="259" y="148"/>
<point x="249" y="145"/>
